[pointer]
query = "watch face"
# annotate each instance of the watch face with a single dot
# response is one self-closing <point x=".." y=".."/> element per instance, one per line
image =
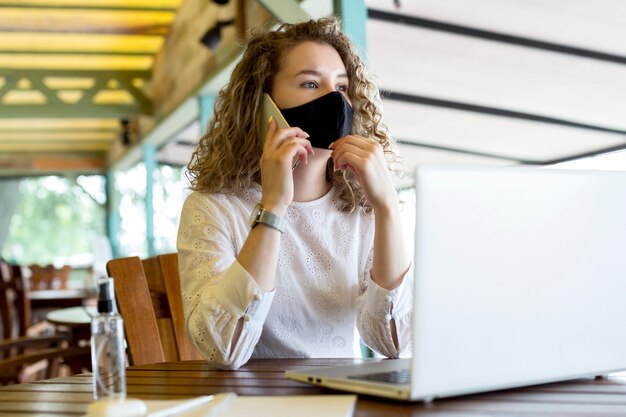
<point x="254" y="216"/>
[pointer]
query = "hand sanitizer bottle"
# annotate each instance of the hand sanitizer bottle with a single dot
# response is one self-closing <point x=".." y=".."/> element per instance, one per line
<point x="107" y="346"/>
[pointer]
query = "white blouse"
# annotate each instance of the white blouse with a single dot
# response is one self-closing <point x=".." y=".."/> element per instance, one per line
<point x="323" y="285"/>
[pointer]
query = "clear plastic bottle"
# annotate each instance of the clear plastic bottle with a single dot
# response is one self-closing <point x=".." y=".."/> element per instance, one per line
<point x="107" y="346"/>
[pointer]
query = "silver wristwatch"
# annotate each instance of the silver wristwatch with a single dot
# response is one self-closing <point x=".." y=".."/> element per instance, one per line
<point x="260" y="215"/>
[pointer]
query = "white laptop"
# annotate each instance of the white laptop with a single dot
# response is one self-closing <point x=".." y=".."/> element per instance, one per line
<point x="520" y="279"/>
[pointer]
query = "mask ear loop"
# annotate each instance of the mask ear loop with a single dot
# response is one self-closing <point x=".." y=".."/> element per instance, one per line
<point x="295" y="164"/>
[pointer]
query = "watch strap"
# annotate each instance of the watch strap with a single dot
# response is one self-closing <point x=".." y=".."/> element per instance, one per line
<point x="268" y="218"/>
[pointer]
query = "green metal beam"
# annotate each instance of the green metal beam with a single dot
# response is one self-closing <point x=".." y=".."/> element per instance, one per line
<point x="149" y="160"/>
<point x="353" y="14"/>
<point x="286" y="11"/>
<point x="52" y="99"/>
<point x="9" y="84"/>
<point x="142" y="100"/>
<point x="55" y="107"/>
<point x="206" y="111"/>
<point x="113" y="213"/>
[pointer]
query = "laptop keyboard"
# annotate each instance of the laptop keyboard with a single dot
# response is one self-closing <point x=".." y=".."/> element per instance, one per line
<point x="392" y="377"/>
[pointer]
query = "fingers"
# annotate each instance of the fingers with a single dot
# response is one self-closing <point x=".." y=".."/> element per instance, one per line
<point x="348" y="148"/>
<point x="355" y="151"/>
<point x="276" y="136"/>
<point x="271" y="128"/>
<point x="367" y="145"/>
<point x="296" y="147"/>
<point x="366" y="160"/>
<point x="284" y="145"/>
<point x="350" y="162"/>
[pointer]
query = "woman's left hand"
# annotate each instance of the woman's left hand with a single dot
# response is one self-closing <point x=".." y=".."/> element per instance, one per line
<point x="366" y="159"/>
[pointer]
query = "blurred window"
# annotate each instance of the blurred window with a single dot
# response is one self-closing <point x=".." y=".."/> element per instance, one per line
<point x="56" y="221"/>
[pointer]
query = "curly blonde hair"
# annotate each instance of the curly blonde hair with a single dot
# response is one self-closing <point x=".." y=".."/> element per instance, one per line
<point x="228" y="155"/>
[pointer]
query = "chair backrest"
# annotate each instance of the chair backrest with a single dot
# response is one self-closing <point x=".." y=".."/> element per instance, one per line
<point x="64" y="275"/>
<point x="169" y="271"/>
<point x="49" y="277"/>
<point x="6" y="301"/>
<point x="14" y="302"/>
<point x="149" y="299"/>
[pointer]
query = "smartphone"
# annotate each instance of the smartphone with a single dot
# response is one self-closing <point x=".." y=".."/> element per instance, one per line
<point x="270" y="109"/>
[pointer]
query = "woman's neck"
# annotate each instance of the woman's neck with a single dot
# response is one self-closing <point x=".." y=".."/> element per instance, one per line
<point x="309" y="181"/>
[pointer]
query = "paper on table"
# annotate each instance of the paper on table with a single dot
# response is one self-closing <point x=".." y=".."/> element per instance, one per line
<point x="206" y="406"/>
<point x="301" y="406"/>
<point x="271" y="406"/>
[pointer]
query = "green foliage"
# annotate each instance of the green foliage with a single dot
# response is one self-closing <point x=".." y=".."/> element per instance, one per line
<point x="55" y="217"/>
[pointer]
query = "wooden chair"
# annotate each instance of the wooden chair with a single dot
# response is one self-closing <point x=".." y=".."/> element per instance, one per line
<point x="48" y="277"/>
<point x="14" y="310"/>
<point x="64" y="276"/>
<point x="149" y="299"/>
<point x="15" y="307"/>
<point x="22" y="355"/>
<point x="31" y="358"/>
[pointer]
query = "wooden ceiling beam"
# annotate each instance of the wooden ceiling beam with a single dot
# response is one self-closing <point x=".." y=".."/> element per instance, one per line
<point x="8" y="133"/>
<point x="85" y="21"/>
<point x="69" y="164"/>
<point x="167" y="5"/>
<point x="20" y="164"/>
<point x="100" y="110"/>
<point x="68" y="60"/>
<point x="147" y="54"/>
<point x="68" y="42"/>
<point x="66" y="124"/>
<point x="87" y="6"/>
<point x="97" y="146"/>
<point x="85" y="29"/>
<point x="75" y="73"/>
<point x="65" y="136"/>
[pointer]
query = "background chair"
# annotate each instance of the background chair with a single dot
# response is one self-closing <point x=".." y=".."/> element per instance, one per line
<point x="29" y="352"/>
<point x="48" y="277"/>
<point x="149" y="299"/>
<point x="14" y="306"/>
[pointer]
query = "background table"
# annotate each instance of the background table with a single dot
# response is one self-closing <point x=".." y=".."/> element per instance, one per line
<point x="76" y="319"/>
<point x="45" y="299"/>
<point x="70" y="396"/>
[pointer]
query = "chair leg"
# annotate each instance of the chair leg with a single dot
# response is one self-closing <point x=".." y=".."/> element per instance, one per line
<point x="52" y="370"/>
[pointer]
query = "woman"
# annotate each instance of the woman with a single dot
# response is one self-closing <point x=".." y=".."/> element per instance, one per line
<point x="325" y="248"/>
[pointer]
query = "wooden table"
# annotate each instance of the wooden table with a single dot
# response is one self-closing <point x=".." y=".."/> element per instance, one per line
<point x="69" y="396"/>
<point x="46" y="299"/>
<point x="72" y="316"/>
<point x="77" y="320"/>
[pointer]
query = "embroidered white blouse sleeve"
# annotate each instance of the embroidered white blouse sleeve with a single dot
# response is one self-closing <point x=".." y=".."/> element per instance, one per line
<point x="217" y="291"/>
<point x="377" y="306"/>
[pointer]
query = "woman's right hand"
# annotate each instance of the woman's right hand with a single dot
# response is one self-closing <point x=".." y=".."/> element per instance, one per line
<point x="282" y="147"/>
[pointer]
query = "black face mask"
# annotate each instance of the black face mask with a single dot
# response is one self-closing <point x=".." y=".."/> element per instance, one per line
<point x="325" y="119"/>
